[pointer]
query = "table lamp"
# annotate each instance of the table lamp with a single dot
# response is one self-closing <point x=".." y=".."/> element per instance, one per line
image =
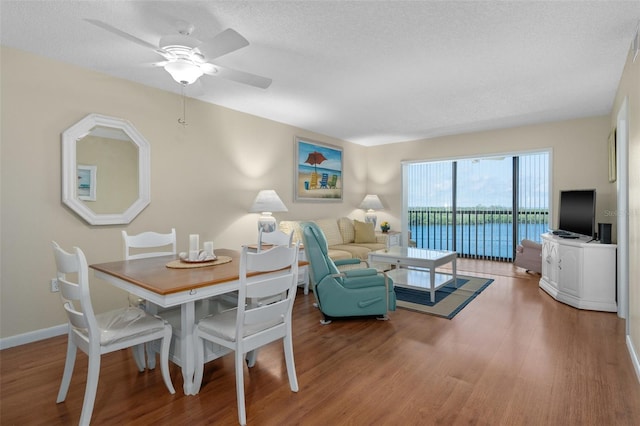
<point x="370" y="204"/>
<point x="267" y="202"/>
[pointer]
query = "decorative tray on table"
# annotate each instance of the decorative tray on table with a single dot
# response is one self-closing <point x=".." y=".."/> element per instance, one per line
<point x="184" y="262"/>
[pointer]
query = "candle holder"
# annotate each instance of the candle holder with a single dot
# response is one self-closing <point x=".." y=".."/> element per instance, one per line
<point x="194" y="246"/>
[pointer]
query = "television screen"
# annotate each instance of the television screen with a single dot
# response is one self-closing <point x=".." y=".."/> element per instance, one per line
<point x="578" y="212"/>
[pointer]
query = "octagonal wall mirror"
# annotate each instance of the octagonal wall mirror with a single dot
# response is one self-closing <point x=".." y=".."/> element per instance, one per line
<point x="106" y="166"/>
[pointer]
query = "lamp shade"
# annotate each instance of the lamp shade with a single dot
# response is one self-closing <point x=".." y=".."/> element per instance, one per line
<point x="266" y="202"/>
<point x="371" y="202"/>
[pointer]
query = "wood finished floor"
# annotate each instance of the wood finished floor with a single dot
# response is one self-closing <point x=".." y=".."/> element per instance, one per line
<point x="513" y="356"/>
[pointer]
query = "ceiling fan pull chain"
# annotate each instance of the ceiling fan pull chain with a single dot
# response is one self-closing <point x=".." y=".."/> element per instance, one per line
<point x="183" y="120"/>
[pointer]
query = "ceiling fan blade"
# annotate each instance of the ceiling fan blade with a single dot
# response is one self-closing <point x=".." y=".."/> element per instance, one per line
<point x="240" y="76"/>
<point x="122" y="34"/>
<point x="226" y="42"/>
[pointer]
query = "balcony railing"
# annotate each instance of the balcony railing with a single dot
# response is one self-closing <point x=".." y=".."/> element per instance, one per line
<point x="476" y="232"/>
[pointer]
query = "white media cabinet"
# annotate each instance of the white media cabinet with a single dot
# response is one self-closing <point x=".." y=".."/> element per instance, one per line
<point x="579" y="273"/>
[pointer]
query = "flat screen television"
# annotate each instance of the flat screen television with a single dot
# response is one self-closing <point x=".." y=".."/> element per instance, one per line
<point x="577" y="213"/>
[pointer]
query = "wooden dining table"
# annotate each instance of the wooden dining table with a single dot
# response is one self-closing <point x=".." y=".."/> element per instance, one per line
<point x="166" y="287"/>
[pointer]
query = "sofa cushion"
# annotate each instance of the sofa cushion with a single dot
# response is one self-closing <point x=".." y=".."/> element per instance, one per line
<point x="336" y="254"/>
<point x="331" y="231"/>
<point x="288" y="226"/>
<point x="365" y="233"/>
<point x="347" y="230"/>
<point x="372" y="246"/>
<point x="356" y="251"/>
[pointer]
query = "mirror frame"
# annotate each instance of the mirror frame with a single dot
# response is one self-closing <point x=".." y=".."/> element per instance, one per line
<point x="75" y="133"/>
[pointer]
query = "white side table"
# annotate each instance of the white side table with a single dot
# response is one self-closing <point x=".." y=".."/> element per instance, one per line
<point x="392" y="238"/>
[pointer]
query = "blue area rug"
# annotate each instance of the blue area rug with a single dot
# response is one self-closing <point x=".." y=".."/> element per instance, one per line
<point x="450" y="299"/>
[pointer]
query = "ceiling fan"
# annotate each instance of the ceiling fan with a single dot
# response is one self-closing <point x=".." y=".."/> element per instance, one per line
<point x="187" y="58"/>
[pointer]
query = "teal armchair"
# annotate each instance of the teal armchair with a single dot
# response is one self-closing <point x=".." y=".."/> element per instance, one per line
<point x="351" y="293"/>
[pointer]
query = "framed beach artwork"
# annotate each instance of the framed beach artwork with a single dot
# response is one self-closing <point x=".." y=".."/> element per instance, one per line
<point x="86" y="186"/>
<point x="318" y="171"/>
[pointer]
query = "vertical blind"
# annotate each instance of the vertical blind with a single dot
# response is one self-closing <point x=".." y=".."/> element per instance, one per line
<point x="480" y="207"/>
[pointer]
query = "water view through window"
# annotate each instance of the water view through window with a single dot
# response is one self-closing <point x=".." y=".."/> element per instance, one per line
<point x="480" y="208"/>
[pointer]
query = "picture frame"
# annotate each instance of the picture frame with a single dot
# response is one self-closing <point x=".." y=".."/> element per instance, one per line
<point x="611" y="146"/>
<point x="318" y="175"/>
<point x="86" y="183"/>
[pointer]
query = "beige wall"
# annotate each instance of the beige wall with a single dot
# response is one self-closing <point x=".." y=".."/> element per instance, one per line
<point x="578" y="147"/>
<point x="203" y="178"/>
<point x="629" y="89"/>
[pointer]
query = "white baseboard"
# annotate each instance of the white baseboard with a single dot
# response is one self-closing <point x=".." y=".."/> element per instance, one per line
<point x="634" y="357"/>
<point x="33" y="336"/>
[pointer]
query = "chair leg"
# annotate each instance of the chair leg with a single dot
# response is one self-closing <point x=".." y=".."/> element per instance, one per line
<point x="93" y="374"/>
<point x="251" y="358"/>
<point x="198" y="347"/>
<point x="288" y="357"/>
<point x="151" y="356"/>
<point x="68" y="370"/>
<point x="164" y="359"/>
<point x="242" y="415"/>
<point x="306" y="283"/>
<point x="138" y="356"/>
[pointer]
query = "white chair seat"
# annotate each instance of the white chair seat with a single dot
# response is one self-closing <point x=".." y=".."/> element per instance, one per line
<point x="124" y="324"/>
<point x="223" y="325"/>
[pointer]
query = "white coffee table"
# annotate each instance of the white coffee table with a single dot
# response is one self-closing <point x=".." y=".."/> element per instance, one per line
<point x="416" y="268"/>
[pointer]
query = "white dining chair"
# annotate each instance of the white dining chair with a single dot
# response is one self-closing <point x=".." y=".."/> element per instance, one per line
<point x="250" y="326"/>
<point x="99" y="334"/>
<point x="141" y="246"/>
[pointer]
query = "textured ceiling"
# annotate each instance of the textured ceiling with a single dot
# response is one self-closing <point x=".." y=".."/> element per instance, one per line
<point x="369" y="72"/>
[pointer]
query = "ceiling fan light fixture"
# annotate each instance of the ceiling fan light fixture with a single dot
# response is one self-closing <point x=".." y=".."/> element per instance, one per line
<point x="183" y="71"/>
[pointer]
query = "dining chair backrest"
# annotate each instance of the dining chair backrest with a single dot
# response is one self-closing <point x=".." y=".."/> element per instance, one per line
<point x="277" y="313"/>
<point x="75" y="296"/>
<point x="149" y="240"/>
<point x="274" y="238"/>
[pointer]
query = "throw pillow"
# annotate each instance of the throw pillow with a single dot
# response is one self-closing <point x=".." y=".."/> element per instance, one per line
<point x="346" y="229"/>
<point x="365" y="233"/>
<point x="331" y="231"/>
<point x="289" y="226"/>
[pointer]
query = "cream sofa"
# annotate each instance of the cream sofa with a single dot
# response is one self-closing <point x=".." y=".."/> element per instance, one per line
<point x="346" y="239"/>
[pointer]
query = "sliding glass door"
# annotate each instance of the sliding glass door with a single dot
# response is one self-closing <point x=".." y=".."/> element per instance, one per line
<point x="480" y="207"/>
